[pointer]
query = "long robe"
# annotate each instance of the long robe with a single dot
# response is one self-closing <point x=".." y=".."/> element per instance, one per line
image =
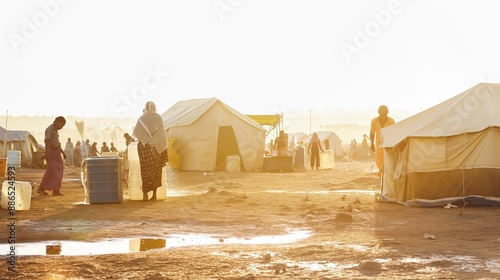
<point x="379" y="152"/>
<point x="152" y="149"/>
<point x="52" y="179"/>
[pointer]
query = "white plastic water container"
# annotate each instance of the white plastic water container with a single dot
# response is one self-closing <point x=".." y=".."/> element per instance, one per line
<point x="233" y="163"/>
<point x="327" y="160"/>
<point x="14" y="159"/>
<point x="22" y="198"/>
<point x="134" y="176"/>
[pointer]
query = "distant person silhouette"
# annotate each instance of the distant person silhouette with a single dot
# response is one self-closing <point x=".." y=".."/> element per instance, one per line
<point x="383" y="120"/>
<point x="313" y="149"/>
<point x="112" y="148"/>
<point x="69" y="150"/>
<point x="77" y="154"/>
<point x="93" y="150"/>
<point x="104" y="148"/>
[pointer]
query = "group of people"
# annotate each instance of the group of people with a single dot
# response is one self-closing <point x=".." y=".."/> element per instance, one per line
<point x="152" y="149"/>
<point x="75" y="153"/>
<point x="282" y="145"/>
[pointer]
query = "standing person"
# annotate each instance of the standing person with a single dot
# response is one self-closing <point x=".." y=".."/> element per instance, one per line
<point x="313" y="149"/>
<point x="77" y="155"/>
<point x="152" y="148"/>
<point x="128" y="139"/>
<point x="87" y="143"/>
<point x="364" y="144"/>
<point x="112" y="148"/>
<point x="104" y="148"/>
<point x="378" y="123"/>
<point x="53" y="176"/>
<point x="281" y="144"/>
<point x="69" y="150"/>
<point x="93" y="150"/>
<point x="84" y="151"/>
<point x="299" y="163"/>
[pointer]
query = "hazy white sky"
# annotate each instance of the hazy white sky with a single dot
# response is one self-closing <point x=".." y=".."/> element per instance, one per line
<point x="107" y="58"/>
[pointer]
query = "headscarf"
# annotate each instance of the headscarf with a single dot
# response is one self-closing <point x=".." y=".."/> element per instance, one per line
<point x="150" y="108"/>
<point x="149" y="128"/>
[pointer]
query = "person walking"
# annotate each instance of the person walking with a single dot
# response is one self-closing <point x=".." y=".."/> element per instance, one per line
<point x="377" y="124"/>
<point x="152" y="148"/>
<point x="313" y="150"/>
<point x="84" y="151"/>
<point x="54" y="156"/>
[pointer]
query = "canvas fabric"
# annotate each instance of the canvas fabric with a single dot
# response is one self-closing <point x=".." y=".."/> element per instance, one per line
<point x="195" y="125"/>
<point x="426" y="168"/>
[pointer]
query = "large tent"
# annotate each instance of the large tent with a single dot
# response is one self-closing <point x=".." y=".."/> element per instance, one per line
<point x="208" y="130"/>
<point x="447" y="154"/>
<point x="19" y="140"/>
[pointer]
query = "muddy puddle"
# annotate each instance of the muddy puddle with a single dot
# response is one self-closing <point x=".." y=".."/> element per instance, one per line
<point x="431" y="264"/>
<point x="131" y="245"/>
<point x="325" y="191"/>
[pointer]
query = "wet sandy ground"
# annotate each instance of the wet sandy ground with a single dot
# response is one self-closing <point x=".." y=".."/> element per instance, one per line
<point x="323" y="224"/>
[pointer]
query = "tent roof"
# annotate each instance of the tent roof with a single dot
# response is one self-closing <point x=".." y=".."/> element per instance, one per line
<point x="470" y="111"/>
<point x="185" y="112"/>
<point x="322" y="135"/>
<point x="14" y="135"/>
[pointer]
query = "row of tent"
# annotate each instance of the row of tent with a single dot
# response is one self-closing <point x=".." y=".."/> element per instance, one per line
<point x="449" y="153"/>
<point x="207" y="130"/>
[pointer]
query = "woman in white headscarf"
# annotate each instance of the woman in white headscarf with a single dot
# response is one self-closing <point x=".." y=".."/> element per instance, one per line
<point x="152" y="148"/>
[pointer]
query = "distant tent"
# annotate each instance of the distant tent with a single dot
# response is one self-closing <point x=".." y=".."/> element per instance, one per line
<point x="19" y="140"/>
<point x="298" y="136"/>
<point x="448" y="153"/>
<point x="334" y="141"/>
<point x="208" y="130"/>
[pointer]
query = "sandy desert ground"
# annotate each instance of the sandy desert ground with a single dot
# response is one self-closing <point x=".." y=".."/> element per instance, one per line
<point x="323" y="224"/>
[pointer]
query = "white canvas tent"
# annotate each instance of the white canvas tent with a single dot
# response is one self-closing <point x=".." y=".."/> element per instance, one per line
<point x="335" y="142"/>
<point x="208" y="130"/>
<point x="19" y="140"/>
<point x="449" y="153"/>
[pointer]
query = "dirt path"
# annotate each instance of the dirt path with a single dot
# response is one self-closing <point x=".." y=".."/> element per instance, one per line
<point x="322" y="224"/>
